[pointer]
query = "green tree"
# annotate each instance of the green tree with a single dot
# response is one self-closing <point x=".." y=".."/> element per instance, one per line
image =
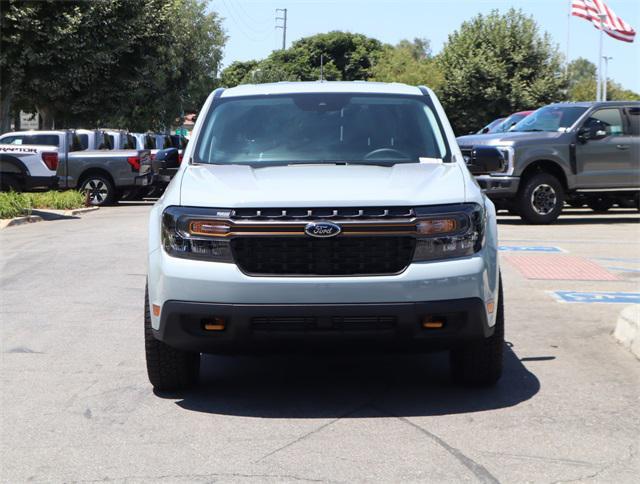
<point x="495" y="65"/>
<point x="585" y="90"/>
<point x="134" y="63"/>
<point x="237" y="71"/>
<point x="345" y="57"/>
<point x="579" y="70"/>
<point x="409" y="62"/>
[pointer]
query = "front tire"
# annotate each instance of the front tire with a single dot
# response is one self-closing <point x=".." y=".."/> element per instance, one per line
<point x="99" y="189"/>
<point x="480" y="363"/>
<point x="540" y="200"/>
<point x="169" y="369"/>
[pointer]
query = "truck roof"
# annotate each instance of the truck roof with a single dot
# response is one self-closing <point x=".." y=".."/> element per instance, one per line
<point x="33" y="131"/>
<point x="588" y="104"/>
<point x="322" y="87"/>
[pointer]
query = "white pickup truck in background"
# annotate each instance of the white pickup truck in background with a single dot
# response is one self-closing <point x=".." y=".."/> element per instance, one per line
<point x="28" y="167"/>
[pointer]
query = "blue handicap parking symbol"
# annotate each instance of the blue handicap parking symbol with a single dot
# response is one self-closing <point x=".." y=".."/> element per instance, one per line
<point x="528" y="248"/>
<point x="598" y="297"/>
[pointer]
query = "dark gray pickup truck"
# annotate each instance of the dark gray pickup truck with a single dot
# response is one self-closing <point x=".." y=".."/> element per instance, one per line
<point x="579" y="153"/>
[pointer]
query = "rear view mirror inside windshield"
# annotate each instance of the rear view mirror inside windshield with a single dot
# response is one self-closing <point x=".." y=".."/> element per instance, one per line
<point x="322" y="102"/>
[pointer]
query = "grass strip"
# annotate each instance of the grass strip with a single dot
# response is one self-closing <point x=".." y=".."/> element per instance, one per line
<point x="14" y="204"/>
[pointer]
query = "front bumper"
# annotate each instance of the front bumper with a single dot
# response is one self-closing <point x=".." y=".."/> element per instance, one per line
<point x="499" y="186"/>
<point x="251" y="328"/>
<point x="189" y="290"/>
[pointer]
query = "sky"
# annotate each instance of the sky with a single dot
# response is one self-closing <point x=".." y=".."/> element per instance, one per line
<point x="250" y="25"/>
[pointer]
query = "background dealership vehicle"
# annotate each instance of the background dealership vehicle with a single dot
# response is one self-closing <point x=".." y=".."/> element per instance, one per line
<point x="581" y="153"/>
<point x="490" y="127"/>
<point x="121" y="139"/>
<point x="510" y="121"/>
<point x="333" y="214"/>
<point x="105" y="175"/>
<point x="74" y="139"/>
<point x="28" y="167"/>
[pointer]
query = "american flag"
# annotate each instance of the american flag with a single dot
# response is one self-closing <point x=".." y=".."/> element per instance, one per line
<point x="611" y="24"/>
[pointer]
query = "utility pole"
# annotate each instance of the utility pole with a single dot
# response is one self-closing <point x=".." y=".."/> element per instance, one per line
<point x="604" y="81"/>
<point x="283" y="26"/>
<point x="599" y="79"/>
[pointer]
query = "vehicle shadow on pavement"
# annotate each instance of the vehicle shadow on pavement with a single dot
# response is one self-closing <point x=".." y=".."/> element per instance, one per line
<point x="577" y="217"/>
<point x="334" y="386"/>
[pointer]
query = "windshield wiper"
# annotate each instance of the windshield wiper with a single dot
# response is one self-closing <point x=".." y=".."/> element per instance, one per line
<point x="351" y="162"/>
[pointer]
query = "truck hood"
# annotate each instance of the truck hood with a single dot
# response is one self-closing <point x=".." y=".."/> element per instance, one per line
<point x="513" y="138"/>
<point x="321" y="185"/>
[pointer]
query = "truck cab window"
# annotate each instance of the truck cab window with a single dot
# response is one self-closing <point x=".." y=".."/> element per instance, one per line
<point x="608" y="120"/>
<point x="634" y="121"/>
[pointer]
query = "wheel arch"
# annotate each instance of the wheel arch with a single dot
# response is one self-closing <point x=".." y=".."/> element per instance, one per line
<point x="546" y="166"/>
<point x="12" y="164"/>
<point x="95" y="171"/>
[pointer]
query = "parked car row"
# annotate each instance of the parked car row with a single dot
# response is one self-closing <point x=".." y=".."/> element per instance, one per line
<point x="106" y="164"/>
<point x="585" y="153"/>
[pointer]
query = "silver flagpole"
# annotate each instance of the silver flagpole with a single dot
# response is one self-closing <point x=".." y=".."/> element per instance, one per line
<point x="566" y="67"/>
<point x="599" y="80"/>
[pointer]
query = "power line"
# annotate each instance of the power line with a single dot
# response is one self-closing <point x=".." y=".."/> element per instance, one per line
<point x="247" y="19"/>
<point x="241" y="27"/>
<point x="264" y="21"/>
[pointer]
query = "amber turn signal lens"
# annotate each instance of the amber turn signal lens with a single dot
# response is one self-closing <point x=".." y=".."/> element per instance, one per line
<point x="214" y="324"/>
<point x="490" y="307"/>
<point x="436" y="226"/>
<point x="208" y="227"/>
<point x="156" y="310"/>
<point x="428" y="323"/>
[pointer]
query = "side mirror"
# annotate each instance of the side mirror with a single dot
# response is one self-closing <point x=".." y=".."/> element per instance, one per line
<point x="584" y="134"/>
<point x="587" y="133"/>
<point x="485" y="130"/>
<point x="166" y="159"/>
<point x="485" y="160"/>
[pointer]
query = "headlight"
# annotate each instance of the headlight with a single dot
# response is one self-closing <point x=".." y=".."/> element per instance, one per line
<point x="508" y="154"/>
<point x="460" y="231"/>
<point x="192" y="233"/>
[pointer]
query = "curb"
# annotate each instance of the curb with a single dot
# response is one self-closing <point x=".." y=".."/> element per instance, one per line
<point x="44" y="214"/>
<point x="10" y="222"/>
<point x="627" y="330"/>
<point x="65" y="213"/>
<point x="79" y="211"/>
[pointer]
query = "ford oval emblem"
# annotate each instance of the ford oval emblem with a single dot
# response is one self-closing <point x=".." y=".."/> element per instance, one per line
<point x="322" y="229"/>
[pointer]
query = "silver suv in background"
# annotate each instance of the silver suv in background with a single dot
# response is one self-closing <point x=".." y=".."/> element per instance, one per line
<point x="579" y="153"/>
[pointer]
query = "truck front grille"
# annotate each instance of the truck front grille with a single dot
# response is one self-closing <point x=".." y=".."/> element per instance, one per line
<point x="306" y="256"/>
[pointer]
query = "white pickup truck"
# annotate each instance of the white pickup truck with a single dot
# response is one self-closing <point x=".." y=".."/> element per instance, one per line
<point x="28" y="167"/>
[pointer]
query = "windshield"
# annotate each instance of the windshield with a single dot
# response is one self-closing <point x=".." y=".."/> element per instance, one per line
<point x="550" y="118"/>
<point x="320" y="128"/>
<point x="509" y="123"/>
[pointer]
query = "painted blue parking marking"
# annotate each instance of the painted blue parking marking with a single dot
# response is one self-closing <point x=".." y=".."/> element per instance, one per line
<point x="623" y="269"/>
<point x="529" y="248"/>
<point x="598" y="297"/>
<point x="616" y="259"/>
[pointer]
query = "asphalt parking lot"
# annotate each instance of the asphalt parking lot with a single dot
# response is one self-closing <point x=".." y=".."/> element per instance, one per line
<point x="77" y="406"/>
